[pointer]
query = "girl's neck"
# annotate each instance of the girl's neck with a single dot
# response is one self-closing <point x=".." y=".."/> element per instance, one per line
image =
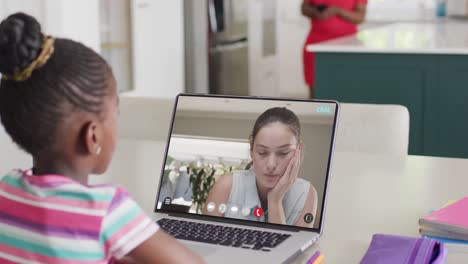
<point x="56" y="167"/>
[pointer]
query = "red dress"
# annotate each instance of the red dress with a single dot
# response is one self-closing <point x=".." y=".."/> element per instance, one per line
<point x="322" y="30"/>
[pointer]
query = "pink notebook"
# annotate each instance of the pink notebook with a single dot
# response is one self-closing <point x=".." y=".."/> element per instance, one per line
<point x="452" y="218"/>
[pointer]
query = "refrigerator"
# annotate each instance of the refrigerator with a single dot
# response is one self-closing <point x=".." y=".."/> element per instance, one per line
<point x="216" y="46"/>
<point x="228" y="47"/>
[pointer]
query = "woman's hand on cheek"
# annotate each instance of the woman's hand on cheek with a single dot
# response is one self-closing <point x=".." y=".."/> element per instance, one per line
<point x="288" y="178"/>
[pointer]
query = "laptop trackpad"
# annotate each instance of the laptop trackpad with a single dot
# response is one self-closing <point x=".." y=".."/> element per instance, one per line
<point x="201" y="250"/>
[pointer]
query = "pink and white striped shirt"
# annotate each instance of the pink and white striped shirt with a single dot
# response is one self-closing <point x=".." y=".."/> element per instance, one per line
<point x="54" y="219"/>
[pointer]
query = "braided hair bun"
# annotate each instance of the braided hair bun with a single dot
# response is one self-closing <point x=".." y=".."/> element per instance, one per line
<point x="20" y="42"/>
<point x="73" y="79"/>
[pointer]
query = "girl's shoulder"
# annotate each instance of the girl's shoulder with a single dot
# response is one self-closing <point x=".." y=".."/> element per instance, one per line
<point x="62" y="190"/>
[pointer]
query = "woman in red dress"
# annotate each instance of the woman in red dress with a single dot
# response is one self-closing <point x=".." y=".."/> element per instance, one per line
<point x="329" y="19"/>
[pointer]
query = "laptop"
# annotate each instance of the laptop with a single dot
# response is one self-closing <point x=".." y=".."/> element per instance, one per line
<point x="224" y="161"/>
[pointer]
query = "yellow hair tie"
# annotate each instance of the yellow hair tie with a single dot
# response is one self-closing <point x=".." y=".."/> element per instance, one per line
<point x="46" y="52"/>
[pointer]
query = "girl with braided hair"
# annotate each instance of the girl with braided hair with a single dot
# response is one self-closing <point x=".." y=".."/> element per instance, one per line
<point x="59" y="103"/>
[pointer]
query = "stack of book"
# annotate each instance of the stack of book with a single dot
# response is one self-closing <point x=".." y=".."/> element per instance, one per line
<point x="448" y="224"/>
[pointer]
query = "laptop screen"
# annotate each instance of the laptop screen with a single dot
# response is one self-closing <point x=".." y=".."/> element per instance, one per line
<point x="249" y="159"/>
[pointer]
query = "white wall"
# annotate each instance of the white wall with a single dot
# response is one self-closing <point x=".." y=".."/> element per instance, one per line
<point x="401" y="10"/>
<point x="158" y="48"/>
<point x="292" y="31"/>
<point x="263" y="70"/>
<point x="116" y="45"/>
<point x="193" y="149"/>
<point x="78" y="20"/>
<point x="32" y="7"/>
<point x="196" y="46"/>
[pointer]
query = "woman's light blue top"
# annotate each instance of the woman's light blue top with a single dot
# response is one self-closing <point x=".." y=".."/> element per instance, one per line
<point x="244" y="196"/>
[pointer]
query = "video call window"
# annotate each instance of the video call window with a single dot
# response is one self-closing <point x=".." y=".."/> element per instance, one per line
<point x="254" y="160"/>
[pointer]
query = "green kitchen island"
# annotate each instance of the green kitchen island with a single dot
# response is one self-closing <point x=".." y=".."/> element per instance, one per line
<point x="421" y="66"/>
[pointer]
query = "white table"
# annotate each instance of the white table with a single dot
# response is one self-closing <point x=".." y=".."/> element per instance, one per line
<point x="368" y="194"/>
<point x="371" y="194"/>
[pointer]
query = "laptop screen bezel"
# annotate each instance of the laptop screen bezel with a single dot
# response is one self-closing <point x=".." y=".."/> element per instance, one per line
<point x="249" y="222"/>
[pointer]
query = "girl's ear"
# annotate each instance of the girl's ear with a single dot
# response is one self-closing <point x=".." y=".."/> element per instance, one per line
<point x="92" y="138"/>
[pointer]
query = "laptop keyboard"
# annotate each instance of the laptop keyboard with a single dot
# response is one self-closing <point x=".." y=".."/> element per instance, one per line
<point x="222" y="235"/>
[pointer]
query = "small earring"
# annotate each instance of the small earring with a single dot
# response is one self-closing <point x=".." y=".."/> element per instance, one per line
<point x="98" y="150"/>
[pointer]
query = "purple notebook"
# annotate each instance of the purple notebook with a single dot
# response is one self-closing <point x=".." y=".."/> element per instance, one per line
<point x="389" y="249"/>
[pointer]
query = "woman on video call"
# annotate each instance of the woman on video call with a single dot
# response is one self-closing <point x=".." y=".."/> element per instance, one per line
<point x="271" y="184"/>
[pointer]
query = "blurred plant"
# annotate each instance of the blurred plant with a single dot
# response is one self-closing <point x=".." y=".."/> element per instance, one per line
<point x="203" y="176"/>
<point x="168" y="169"/>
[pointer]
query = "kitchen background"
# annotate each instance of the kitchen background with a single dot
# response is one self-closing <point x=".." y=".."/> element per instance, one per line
<point x="161" y="48"/>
